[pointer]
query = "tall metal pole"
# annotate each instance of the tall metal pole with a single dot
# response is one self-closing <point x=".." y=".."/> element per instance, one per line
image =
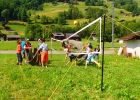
<point x="112" y="24"/>
<point x="102" y="76"/>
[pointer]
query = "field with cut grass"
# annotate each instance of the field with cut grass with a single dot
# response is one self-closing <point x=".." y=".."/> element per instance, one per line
<point x="121" y="80"/>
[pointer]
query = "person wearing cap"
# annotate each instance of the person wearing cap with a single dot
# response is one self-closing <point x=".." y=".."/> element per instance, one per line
<point x="39" y="43"/>
<point x="44" y="53"/>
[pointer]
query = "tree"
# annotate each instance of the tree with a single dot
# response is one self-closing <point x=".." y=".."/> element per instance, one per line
<point x="5" y="14"/>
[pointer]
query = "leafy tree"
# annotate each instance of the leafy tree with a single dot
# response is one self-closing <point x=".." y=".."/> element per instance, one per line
<point x="5" y="14"/>
<point x="34" y="31"/>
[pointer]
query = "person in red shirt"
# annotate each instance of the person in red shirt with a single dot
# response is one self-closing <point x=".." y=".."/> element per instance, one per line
<point x="19" y="49"/>
<point x="68" y="47"/>
<point x="28" y="48"/>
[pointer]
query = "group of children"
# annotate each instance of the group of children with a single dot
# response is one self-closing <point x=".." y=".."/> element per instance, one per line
<point x="24" y="47"/>
<point x="90" y="55"/>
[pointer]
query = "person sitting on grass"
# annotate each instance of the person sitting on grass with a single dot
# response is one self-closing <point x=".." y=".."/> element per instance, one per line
<point x="90" y="58"/>
<point x="72" y="57"/>
<point x="19" y="49"/>
<point x="44" y="53"/>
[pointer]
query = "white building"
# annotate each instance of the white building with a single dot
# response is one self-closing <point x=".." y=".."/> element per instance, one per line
<point x="132" y="43"/>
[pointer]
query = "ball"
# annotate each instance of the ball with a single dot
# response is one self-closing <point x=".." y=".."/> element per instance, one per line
<point x="75" y="22"/>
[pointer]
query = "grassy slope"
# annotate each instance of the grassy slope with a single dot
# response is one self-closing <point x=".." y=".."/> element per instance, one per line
<point x="52" y="11"/>
<point x="121" y="80"/>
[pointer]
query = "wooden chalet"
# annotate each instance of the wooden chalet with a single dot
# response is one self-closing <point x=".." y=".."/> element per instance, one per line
<point x="59" y="36"/>
<point x="131" y="44"/>
<point x="75" y="37"/>
<point x="13" y="37"/>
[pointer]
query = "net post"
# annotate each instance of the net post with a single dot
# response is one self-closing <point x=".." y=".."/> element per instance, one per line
<point x="102" y="69"/>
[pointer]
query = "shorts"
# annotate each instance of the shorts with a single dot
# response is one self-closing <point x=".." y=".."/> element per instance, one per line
<point x="72" y="57"/>
<point x="89" y="59"/>
<point x="66" y="50"/>
<point x="44" y="56"/>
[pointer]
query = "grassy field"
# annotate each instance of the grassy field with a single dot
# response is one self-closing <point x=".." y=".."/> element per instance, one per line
<point x="121" y="80"/>
<point x="11" y="45"/>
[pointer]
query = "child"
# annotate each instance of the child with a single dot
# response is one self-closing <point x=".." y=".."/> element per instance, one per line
<point x="90" y="58"/>
<point x="67" y="49"/>
<point x="96" y="55"/>
<point x="44" y="53"/>
<point x="19" y="49"/>
<point x="27" y="48"/>
<point x="72" y="57"/>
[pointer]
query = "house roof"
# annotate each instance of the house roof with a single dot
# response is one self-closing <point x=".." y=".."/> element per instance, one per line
<point x="131" y="36"/>
<point x="57" y="34"/>
<point x="13" y="36"/>
<point x="69" y="34"/>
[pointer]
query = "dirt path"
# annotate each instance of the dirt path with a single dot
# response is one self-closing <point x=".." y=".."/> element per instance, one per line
<point x="53" y="52"/>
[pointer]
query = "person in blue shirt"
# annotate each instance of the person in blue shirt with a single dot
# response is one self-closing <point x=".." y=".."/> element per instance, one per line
<point x="39" y="43"/>
<point x="23" y="50"/>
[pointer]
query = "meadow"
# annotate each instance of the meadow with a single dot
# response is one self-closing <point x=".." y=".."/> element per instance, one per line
<point x="61" y="82"/>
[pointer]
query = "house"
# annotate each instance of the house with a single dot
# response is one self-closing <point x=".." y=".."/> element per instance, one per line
<point x="132" y="44"/>
<point x="75" y="37"/>
<point x="59" y="36"/>
<point x="13" y="37"/>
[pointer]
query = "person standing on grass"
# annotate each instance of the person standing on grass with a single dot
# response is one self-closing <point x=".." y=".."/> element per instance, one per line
<point x="23" y="50"/>
<point x="27" y="48"/>
<point x="96" y="55"/>
<point x="44" y="53"/>
<point x="19" y="49"/>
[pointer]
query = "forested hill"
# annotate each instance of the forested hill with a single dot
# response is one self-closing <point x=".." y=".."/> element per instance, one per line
<point x="17" y="9"/>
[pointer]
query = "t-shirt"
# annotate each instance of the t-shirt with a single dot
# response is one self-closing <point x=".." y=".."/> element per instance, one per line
<point x="43" y="47"/>
<point x="22" y="45"/>
<point x="19" y="48"/>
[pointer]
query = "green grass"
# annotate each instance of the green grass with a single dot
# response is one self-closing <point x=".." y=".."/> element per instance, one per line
<point x="121" y="80"/>
<point x="11" y="45"/>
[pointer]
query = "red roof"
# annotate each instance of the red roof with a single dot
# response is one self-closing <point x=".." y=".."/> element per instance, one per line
<point x="131" y="36"/>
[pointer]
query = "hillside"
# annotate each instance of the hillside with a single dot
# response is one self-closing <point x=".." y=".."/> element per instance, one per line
<point x="53" y="10"/>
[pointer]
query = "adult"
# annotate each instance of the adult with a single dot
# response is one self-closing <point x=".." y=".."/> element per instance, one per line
<point x="44" y="53"/>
